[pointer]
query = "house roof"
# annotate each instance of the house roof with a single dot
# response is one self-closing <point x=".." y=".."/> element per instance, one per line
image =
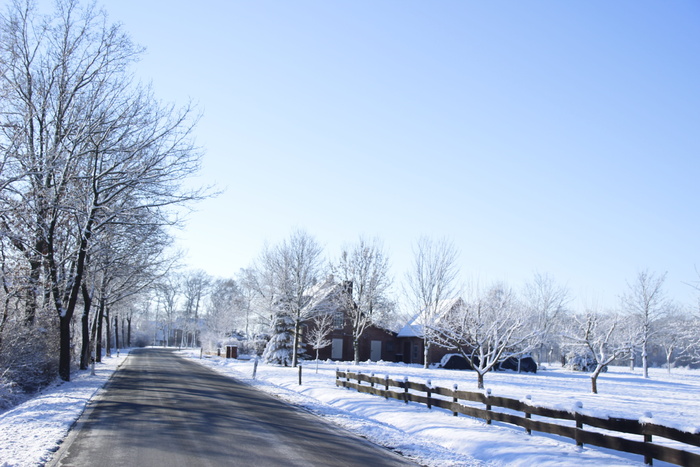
<point x="414" y="327"/>
<point x="322" y="296"/>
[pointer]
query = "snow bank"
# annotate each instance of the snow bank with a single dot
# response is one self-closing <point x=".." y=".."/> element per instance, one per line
<point x="31" y="432"/>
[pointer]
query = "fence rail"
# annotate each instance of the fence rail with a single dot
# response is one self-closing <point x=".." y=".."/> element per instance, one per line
<point x="450" y="399"/>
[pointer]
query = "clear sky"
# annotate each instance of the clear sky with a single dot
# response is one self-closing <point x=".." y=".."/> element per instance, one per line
<point x="557" y="137"/>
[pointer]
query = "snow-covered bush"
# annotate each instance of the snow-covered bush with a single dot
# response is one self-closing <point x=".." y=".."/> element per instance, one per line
<point x="10" y="394"/>
<point x="279" y="349"/>
<point x="28" y="355"/>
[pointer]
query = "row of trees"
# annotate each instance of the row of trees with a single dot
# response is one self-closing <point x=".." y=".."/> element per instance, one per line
<point x="90" y="166"/>
<point x="266" y="304"/>
<point x="494" y="324"/>
<point x="270" y="298"/>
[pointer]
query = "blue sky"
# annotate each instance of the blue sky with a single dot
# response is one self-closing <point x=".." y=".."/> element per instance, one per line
<point x="540" y="136"/>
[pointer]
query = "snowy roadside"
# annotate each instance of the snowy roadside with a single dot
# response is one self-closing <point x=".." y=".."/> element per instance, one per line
<point x="429" y="437"/>
<point x="31" y="432"/>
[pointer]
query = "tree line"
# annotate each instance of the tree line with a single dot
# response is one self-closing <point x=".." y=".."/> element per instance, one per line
<point x="263" y="308"/>
<point x="91" y="168"/>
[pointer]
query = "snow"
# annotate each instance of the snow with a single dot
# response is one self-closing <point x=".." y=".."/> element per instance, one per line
<point x="31" y="432"/>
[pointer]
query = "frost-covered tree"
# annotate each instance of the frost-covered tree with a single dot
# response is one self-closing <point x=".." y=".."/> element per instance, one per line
<point x="545" y="302"/>
<point x="86" y="148"/>
<point x="364" y="269"/>
<point x="294" y="267"/>
<point x="222" y="311"/>
<point x="676" y="336"/>
<point x="431" y="279"/>
<point x="195" y="285"/>
<point x="487" y="329"/>
<point x="646" y="303"/>
<point x="321" y="328"/>
<point x="280" y="348"/>
<point x="598" y="335"/>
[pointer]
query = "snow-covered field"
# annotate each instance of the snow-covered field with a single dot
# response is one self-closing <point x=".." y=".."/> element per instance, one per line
<point x="434" y="437"/>
<point x="30" y="433"/>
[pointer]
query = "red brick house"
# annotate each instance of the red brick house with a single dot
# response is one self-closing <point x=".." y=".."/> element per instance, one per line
<point x="332" y="297"/>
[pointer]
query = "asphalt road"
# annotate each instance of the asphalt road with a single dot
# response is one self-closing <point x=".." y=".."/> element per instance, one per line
<point x="163" y="410"/>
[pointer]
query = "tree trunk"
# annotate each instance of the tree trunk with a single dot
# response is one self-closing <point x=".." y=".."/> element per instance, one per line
<point x="645" y="360"/>
<point x="356" y="350"/>
<point x="128" y="331"/>
<point x="98" y="339"/>
<point x="479" y="380"/>
<point x="116" y="332"/>
<point x="93" y="338"/>
<point x="34" y="284"/>
<point x="85" y="322"/>
<point x="295" y="356"/>
<point x="426" y="351"/>
<point x="108" y="330"/>
<point x="64" y="351"/>
<point x="594" y="378"/>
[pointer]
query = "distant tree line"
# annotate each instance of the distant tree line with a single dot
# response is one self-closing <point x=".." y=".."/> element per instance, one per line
<point x="262" y="308"/>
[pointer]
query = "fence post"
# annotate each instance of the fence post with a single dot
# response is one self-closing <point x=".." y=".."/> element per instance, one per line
<point x="405" y="389"/>
<point x="454" y="398"/>
<point x="648" y="458"/>
<point x="347" y="376"/>
<point x="429" y="392"/>
<point x="488" y="407"/>
<point x="371" y="381"/>
<point x="579" y="422"/>
<point x="386" y="386"/>
<point x="528" y="415"/>
<point x="299" y="373"/>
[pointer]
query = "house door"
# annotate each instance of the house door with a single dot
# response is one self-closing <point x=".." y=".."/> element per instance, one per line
<point x="375" y="353"/>
<point x="337" y="349"/>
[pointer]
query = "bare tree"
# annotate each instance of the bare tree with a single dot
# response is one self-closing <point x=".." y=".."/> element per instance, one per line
<point x="195" y="286"/>
<point x="545" y="302"/>
<point x="431" y="280"/>
<point x="223" y="318"/>
<point x="599" y="334"/>
<point x="91" y="148"/>
<point x="363" y="268"/>
<point x="318" y="335"/>
<point x="646" y="303"/>
<point x="294" y="267"/>
<point x="676" y="336"/>
<point x="486" y="330"/>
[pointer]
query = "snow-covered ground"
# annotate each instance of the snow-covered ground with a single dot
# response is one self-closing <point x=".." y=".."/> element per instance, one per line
<point x="31" y="432"/>
<point x="436" y="438"/>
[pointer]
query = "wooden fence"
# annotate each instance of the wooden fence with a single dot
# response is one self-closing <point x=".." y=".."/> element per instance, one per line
<point x="558" y="422"/>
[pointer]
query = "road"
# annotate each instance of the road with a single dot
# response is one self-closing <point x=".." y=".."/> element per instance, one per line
<point x="160" y="409"/>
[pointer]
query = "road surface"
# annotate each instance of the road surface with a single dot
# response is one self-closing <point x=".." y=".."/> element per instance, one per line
<point x="160" y="409"/>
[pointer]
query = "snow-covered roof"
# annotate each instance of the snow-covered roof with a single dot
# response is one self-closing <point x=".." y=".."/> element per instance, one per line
<point x="414" y="328"/>
<point x="322" y="295"/>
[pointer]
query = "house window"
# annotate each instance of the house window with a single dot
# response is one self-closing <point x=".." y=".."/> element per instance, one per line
<point x="338" y="321"/>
